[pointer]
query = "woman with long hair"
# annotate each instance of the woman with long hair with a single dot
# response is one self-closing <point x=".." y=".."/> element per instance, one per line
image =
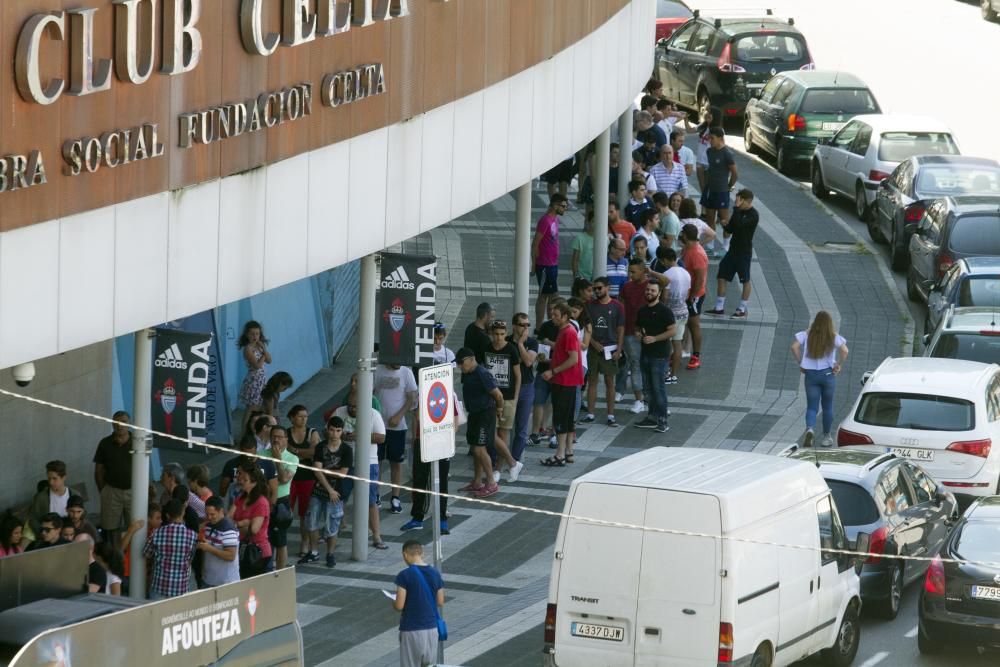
<point x="820" y="353"/>
<point x="11" y="534"/>
<point x="270" y="395"/>
<point x="251" y="513"/>
<point x="113" y="561"/>
<point x="253" y="343"/>
<point x="302" y="441"/>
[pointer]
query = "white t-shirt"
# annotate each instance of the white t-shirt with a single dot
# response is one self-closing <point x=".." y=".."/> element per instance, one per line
<point x="827" y="361"/>
<point x="444" y="356"/>
<point x="351" y="423"/>
<point x="580" y="333"/>
<point x="391" y="387"/>
<point x="677" y="291"/>
<point x="652" y="241"/>
<point x="112" y="580"/>
<point x="699" y="223"/>
<point x="57" y="504"/>
<point x="687" y="158"/>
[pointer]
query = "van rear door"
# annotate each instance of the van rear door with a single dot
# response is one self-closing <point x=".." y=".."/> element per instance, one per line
<point x="599" y="577"/>
<point x="680" y="592"/>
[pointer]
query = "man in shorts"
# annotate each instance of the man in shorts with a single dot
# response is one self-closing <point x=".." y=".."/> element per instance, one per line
<point x="696" y="264"/>
<point x="607" y="316"/>
<point x="740" y="228"/>
<point x="504" y="363"/>
<point x="484" y="404"/>
<point x="326" y="504"/>
<point x="545" y="253"/>
<point x="349" y="415"/>
<point x="676" y="284"/>
<point x="720" y="179"/>
<point x="396" y="389"/>
<point x="564" y="376"/>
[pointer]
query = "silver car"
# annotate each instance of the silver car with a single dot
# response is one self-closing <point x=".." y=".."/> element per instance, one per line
<point x="868" y="148"/>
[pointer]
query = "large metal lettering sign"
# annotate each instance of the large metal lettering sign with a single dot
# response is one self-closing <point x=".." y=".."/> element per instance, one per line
<point x="184" y="401"/>
<point x="407" y="295"/>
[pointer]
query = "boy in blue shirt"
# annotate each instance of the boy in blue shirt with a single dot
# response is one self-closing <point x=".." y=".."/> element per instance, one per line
<point x="418" y="588"/>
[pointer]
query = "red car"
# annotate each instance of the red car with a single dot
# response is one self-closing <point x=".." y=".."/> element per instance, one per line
<point x="670" y="15"/>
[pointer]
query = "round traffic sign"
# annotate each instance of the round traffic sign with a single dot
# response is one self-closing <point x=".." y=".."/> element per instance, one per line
<point x="437" y="402"/>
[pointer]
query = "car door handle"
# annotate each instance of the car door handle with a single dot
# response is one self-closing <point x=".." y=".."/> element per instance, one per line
<point x="810" y="586"/>
<point x="818" y="582"/>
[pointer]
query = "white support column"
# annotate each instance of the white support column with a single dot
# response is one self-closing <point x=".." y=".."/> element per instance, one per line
<point x="142" y="390"/>
<point x="624" y="156"/>
<point x="363" y="429"/>
<point x="522" y="248"/>
<point x="602" y="164"/>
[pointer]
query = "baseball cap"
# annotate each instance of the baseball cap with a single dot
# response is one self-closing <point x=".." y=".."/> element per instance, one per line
<point x="463" y="354"/>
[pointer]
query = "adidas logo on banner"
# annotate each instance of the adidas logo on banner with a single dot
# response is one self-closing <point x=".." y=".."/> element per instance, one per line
<point x="398" y="279"/>
<point x="171" y="358"/>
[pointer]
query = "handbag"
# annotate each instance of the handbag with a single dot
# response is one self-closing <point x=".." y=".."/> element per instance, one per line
<point x="281" y="517"/>
<point x="251" y="558"/>
<point x="442" y="626"/>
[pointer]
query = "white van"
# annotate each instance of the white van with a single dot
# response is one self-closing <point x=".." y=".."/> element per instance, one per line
<point x="624" y="596"/>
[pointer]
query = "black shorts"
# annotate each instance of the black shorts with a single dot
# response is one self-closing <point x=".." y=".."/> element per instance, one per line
<point x="394" y="447"/>
<point x="733" y="265"/>
<point x="561" y="173"/>
<point x="278" y="537"/>
<point x="547" y="277"/>
<point x="481" y="427"/>
<point x="563" y="408"/>
<point x="695" y="305"/>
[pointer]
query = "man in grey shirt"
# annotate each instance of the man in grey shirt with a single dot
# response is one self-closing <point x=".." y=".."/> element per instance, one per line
<point x="720" y="179"/>
<point x="607" y="316"/>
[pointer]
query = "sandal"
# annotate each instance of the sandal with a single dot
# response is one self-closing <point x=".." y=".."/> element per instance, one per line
<point x="569" y="458"/>
<point x="553" y="462"/>
<point x="380" y="545"/>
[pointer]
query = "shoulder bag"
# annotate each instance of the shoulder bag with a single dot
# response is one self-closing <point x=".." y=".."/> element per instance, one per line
<point x="442" y="626"/>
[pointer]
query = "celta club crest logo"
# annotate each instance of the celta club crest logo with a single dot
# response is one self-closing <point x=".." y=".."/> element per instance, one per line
<point x="397" y="317"/>
<point x="168" y="399"/>
<point x="252" y="609"/>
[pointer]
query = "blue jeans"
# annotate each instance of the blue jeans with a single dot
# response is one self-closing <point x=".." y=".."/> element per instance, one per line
<point x="522" y="419"/>
<point x="653" y="371"/>
<point x="632" y="352"/>
<point x="819" y="390"/>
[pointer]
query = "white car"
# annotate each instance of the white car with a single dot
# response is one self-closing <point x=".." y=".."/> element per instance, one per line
<point x="868" y="148"/>
<point x="942" y="413"/>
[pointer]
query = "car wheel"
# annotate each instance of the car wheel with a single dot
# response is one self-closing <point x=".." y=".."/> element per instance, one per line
<point x="761" y="657"/>
<point x="704" y="104"/>
<point x="925" y="644"/>
<point x="911" y="289"/>
<point x="899" y="256"/>
<point x="845" y="647"/>
<point x="748" y="138"/>
<point x="889" y="607"/>
<point x="986" y="6"/>
<point x="819" y="188"/>
<point x="861" y="204"/>
<point x="781" y="160"/>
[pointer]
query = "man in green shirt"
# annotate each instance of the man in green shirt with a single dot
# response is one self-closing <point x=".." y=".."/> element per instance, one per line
<point x="286" y="471"/>
<point x="583" y="251"/>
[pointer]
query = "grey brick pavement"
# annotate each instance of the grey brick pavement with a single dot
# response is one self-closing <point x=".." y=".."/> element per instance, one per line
<point x="746" y="396"/>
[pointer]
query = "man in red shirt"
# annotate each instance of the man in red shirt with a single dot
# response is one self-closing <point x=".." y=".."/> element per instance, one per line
<point x="696" y="264"/>
<point x="564" y="376"/>
<point x="633" y="297"/>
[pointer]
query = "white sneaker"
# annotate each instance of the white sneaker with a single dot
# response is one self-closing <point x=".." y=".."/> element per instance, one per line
<point x="685" y="355"/>
<point x="496" y="476"/>
<point x="638" y="407"/>
<point x="513" y="473"/>
<point x="618" y="397"/>
<point x="827" y="441"/>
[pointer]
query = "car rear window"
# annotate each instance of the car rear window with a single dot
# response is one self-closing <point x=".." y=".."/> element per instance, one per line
<point x="847" y="101"/>
<point x="979" y="291"/>
<point x="976" y="235"/>
<point x="855" y="506"/>
<point x="769" y="48"/>
<point x="968" y="346"/>
<point x="978" y="541"/>
<point x="921" y="412"/>
<point x="671" y="9"/>
<point x="898" y="146"/>
<point x="957" y="180"/>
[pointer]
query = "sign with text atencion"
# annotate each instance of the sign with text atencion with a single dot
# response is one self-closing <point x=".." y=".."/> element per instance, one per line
<point x="437" y="413"/>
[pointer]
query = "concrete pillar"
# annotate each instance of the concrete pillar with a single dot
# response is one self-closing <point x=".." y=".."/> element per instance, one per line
<point x="141" y="446"/>
<point x="602" y="163"/>
<point x="363" y="429"/>
<point x="625" y="156"/>
<point x="522" y="248"/>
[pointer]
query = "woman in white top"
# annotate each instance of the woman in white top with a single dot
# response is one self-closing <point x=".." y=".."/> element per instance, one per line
<point x="688" y="214"/>
<point x="114" y="563"/>
<point x="821" y="353"/>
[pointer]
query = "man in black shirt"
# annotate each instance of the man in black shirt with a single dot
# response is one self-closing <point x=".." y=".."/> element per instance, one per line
<point x="113" y="475"/>
<point x="546" y="333"/>
<point x="741" y="227"/>
<point x="527" y="350"/>
<point x="477" y="337"/>
<point x="50" y="533"/>
<point x="654" y="327"/>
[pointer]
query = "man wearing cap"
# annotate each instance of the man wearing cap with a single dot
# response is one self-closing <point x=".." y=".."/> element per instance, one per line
<point x="484" y="403"/>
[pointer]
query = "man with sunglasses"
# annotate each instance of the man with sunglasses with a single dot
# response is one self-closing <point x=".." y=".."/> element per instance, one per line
<point x="349" y="414"/>
<point x="50" y="532"/>
<point x="527" y="349"/>
<point x="504" y="363"/>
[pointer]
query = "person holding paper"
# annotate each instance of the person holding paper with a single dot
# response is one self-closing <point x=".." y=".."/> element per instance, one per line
<point x="420" y="598"/>
<point x="607" y="316"/>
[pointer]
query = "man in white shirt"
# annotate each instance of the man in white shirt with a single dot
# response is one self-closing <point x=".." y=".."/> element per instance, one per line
<point x="682" y="153"/>
<point x="396" y="390"/>
<point x="677" y="285"/>
<point x="349" y="413"/>
<point x="669" y="175"/>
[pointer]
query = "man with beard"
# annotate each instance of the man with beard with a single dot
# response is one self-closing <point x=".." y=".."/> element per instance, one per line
<point x="654" y="327"/>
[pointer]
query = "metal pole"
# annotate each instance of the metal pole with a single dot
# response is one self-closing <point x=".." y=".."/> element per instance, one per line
<point x="141" y="446"/>
<point x="602" y="164"/>
<point x="435" y="501"/>
<point x="624" y="156"/>
<point x="522" y="248"/>
<point x="363" y="429"/>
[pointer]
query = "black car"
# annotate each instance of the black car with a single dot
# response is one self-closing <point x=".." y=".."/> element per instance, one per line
<point x="903" y="198"/>
<point x="960" y="602"/>
<point x="974" y="281"/>
<point x="723" y="62"/>
<point x="897" y="504"/>
<point x="952" y="228"/>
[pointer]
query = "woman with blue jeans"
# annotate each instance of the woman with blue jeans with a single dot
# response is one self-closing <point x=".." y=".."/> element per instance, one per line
<point x="821" y="353"/>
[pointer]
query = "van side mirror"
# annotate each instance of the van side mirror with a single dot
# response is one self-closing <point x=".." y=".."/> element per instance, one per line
<point x="866" y="376"/>
<point x="861" y="545"/>
<point x="824" y="141"/>
<point x="926" y="338"/>
<point x="663" y="43"/>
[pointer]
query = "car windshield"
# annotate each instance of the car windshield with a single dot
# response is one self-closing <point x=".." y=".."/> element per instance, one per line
<point x="855" y="506"/>
<point x="970" y="346"/>
<point x="957" y="179"/>
<point x="898" y="146"/>
<point x="847" y="101"/>
<point x="769" y="48"/>
<point x="919" y="412"/>
<point x="976" y="235"/>
<point x="978" y="541"/>
<point x="671" y="9"/>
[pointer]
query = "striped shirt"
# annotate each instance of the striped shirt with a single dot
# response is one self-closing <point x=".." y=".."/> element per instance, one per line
<point x="217" y="571"/>
<point x="669" y="179"/>
<point x="617" y="276"/>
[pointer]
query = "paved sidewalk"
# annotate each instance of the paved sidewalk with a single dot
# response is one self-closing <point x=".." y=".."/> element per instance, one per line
<point x="747" y="395"/>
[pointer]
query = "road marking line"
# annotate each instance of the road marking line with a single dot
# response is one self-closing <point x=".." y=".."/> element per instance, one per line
<point x="875" y="659"/>
<point x="912" y="633"/>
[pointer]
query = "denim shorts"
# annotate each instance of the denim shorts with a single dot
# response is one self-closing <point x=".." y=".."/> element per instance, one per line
<point x="541" y="390"/>
<point x="373" y="488"/>
<point x="324" y="515"/>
